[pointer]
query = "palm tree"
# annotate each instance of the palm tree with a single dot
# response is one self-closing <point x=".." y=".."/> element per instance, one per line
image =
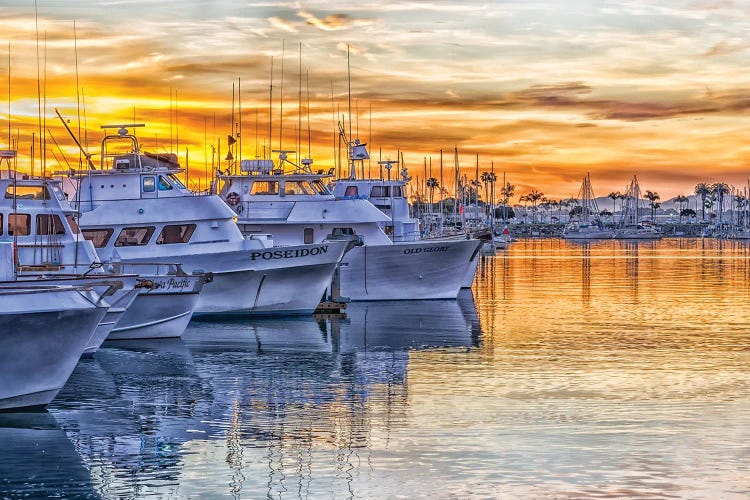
<point x="703" y="190"/>
<point x="432" y="184"/>
<point x="719" y="189"/>
<point x="681" y="200"/>
<point x="652" y="196"/>
<point x="615" y="195"/>
<point x="534" y="196"/>
<point x="485" y="178"/>
<point x="507" y="191"/>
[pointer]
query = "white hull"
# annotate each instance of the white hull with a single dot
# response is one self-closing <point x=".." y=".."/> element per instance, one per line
<point x="405" y="271"/>
<point x="471" y="271"/>
<point x="119" y="301"/>
<point x="42" y="336"/>
<point x="161" y="312"/>
<point x="291" y="290"/>
<point x="275" y="280"/>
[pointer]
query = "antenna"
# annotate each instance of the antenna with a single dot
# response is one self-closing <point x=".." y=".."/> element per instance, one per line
<point x="349" y="75"/>
<point x="281" y="91"/>
<point x="239" y="112"/>
<point x="333" y="121"/>
<point x="44" y="113"/>
<point x="176" y="129"/>
<point x="10" y="140"/>
<point x="309" y="154"/>
<point x="299" y="106"/>
<point x="170" y="119"/>
<point x="78" y="96"/>
<point x="270" y="109"/>
<point x="38" y="84"/>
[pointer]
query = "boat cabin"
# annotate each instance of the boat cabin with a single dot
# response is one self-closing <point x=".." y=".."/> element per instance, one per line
<point x="36" y="216"/>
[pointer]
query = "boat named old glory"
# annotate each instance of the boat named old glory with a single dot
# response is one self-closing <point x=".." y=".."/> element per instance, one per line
<point x="298" y="208"/>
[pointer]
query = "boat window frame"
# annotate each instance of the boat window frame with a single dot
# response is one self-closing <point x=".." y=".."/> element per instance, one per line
<point x="176" y="181"/>
<point x="163" y="184"/>
<point x="12" y="216"/>
<point x="141" y="242"/>
<point x="108" y="231"/>
<point x="23" y="192"/>
<point x="268" y="191"/>
<point x="302" y="185"/>
<point x="57" y="226"/>
<point x="308" y="235"/>
<point x="184" y="236"/>
<point x="320" y="187"/>
<point x="152" y="187"/>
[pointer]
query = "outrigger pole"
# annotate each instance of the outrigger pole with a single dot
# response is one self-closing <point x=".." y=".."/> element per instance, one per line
<point x="75" y="139"/>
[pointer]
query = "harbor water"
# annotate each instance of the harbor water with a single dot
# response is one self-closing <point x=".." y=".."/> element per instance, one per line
<point x="570" y="370"/>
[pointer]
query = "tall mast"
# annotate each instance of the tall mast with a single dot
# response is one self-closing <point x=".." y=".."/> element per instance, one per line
<point x="281" y="91"/>
<point x="267" y="154"/>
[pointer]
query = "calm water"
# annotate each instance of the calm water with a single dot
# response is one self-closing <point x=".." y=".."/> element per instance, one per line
<point x="603" y="370"/>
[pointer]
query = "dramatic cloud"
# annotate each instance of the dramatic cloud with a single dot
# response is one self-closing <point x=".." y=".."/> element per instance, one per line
<point x="545" y="91"/>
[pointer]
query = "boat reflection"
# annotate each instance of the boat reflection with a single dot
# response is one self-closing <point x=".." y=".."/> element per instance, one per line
<point x="38" y="460"/>
<point x="238" y="394"/>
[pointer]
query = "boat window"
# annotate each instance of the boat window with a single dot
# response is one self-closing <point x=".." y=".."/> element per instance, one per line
<point x="164" y="185"/>
<point x="99" y="237"/>
<point x="308" y="235"/>
<point x="49" y="224"/>
<point x="149" y="184"/>
<point x="19" y="224"/>
<point x="297" y="187"/>
<point x="134" y="236"/>
<point x="265" y="187"/>
<point x="351" y="191"/>
<point x="319" y="187"/>
<point x="176" y="181"/>
<point x="179" y="233"/>
<point x="380" y="191"/>
<point x="1" y="223"/>
<point x="27" y="192"/>
<point x="397" y="192"/>
<point x="340" y="231"/>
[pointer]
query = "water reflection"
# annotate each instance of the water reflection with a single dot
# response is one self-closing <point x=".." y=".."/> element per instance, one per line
<point x="278" y="405"/>
<point x="38" y="460"/>
<point x="611" y="368"/>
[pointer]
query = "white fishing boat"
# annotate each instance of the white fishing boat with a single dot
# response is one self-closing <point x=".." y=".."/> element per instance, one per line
<point x="49" y="247"/>
<point x="298" y="208"/>
<point x="631" y="227"/>
<point x="135" y="209"/>
<point x="389" y="196"/>
<point x="587" y="226"/>
<point x="43" y="332"/>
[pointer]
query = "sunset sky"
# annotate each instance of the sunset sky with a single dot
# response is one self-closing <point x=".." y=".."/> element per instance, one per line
<point x="548" y="90"/>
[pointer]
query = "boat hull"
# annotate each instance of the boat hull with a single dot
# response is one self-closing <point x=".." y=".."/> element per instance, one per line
<point x="471" y="271"/>
<point x="162" y="311"/>
<point x="42" y="337"/>
<point x="405" y="271"/>
<point x="271" y="281"/>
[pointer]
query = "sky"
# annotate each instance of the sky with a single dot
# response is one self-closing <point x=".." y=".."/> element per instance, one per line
<point x="545" y="90"/>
